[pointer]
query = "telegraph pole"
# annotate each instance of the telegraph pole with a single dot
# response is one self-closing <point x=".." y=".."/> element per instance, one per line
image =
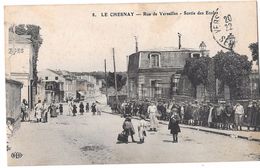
<point x="106" y="78"/>
<point x="127" y="89"/>
<point x="115" y="78"/>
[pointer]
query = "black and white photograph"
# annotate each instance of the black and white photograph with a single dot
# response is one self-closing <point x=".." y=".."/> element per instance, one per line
<point x="137" y="83"/>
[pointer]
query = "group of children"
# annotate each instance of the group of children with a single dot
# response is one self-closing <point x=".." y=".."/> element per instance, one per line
<point x="128" y="128"/>
<point x="94" y="108"/>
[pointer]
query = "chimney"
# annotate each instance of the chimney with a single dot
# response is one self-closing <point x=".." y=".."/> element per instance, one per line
<point x="136" y="44"/>
<point x="179" y="35"/>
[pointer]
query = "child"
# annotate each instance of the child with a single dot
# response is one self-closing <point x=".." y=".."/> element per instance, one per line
<point x="61" y="109"/>
<point x="74" y="111"/>
<point x="81" y="108"/>
<point x="38" y="111"/>
<point x="98" y="109"/>
<point x="174" y="126"/>
<point x="129" y="128"/>
<point x="142" y="128"/>
<point x="93" y="108"/>
<point x="87" y="107"/>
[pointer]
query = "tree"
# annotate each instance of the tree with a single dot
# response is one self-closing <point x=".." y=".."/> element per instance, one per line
<point x="196" y="69"/>
<point x="254" y="50"/>
<point x="233" y="70"/>
<point x="121" y="80"/>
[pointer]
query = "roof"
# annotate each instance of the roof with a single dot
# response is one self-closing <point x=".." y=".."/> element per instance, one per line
<point x="19" y="38"/>
<point x="64" y="74"/>
<point x="84" y="80"/>
<point x="13" y="81"/>
<point x="172" y="49"/>
<point x="169" y="49"/>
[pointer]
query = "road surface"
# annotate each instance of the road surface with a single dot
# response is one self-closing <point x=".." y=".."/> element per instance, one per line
<point x="87" y="139"/>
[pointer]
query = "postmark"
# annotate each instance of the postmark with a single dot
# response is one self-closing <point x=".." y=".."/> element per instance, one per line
<point x="222" y="29"/>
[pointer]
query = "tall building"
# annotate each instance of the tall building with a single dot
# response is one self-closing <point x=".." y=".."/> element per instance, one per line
<point x="156" y="73"/>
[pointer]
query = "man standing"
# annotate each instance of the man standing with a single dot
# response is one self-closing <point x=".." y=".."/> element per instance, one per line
<point x="45" y="109"/>
<point x="239" y="113"/>
<point x="24" y="108"/>
<point x="152" y="110"/>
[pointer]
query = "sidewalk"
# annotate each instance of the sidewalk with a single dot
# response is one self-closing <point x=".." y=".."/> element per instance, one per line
<point x="247" y="135"/>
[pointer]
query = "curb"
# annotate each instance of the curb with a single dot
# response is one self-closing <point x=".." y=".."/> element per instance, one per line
<point x="200" y="129"/>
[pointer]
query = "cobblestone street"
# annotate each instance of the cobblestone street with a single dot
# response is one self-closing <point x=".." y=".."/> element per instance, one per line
<point x="87" y="139"/>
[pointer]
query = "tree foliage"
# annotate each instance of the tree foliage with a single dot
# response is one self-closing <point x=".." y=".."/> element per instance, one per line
<point x="121" y="80"/>
<point x="197" y="70"/>
<point x="232" y="69"/>
<point x="254" y="50"/>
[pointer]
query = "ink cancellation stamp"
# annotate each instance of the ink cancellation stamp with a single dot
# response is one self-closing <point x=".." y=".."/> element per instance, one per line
<point x="222" y="29"/>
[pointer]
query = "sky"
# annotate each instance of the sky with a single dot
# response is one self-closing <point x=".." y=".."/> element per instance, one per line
<point x="74" y="40"/>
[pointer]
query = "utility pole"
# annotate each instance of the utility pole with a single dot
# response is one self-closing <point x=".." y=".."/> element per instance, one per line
<point x="115" y="78"/>
<point x="106" y="79"/>
<point x="127" y="89"/>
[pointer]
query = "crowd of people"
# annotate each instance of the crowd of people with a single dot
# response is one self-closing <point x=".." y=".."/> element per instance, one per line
<point x="43" y="109"/>
<point x="221" y="115"/>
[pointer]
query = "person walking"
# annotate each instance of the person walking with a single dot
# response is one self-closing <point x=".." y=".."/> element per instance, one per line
<point x="74" y="111"/>
<point x="239" y="113"/>
<point x="128" y="129"/>
<point x="81" y="108"/>
<point x="87" y="107"/>
<point x="142" y="125"/>
<point x="174" y="126"/>
<point x="93" y="109"/>
<point x="152" y="110"/>
<point x="38" y="111"/>
<point x="61" y="109"/>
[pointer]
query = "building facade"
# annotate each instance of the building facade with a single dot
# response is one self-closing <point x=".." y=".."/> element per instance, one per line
<point x="156" y="73"/>
<point x="58" y="86"/>
<point x="19" y="64"/>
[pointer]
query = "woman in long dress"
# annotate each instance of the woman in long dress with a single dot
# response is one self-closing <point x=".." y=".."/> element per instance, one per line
<point x="210" y="117"/>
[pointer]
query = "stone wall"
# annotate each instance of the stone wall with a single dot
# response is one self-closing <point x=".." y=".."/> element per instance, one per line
<point x="13" y="101"/>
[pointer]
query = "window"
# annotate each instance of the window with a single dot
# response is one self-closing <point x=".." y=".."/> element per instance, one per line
<point x="46" y="77"/>
<point x="195" y="55"/>
<point x="56" y="78"/>
<point x="154" y="60"/>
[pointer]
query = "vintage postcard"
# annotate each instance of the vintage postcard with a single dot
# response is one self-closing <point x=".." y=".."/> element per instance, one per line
<point x="132" y="83"/>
